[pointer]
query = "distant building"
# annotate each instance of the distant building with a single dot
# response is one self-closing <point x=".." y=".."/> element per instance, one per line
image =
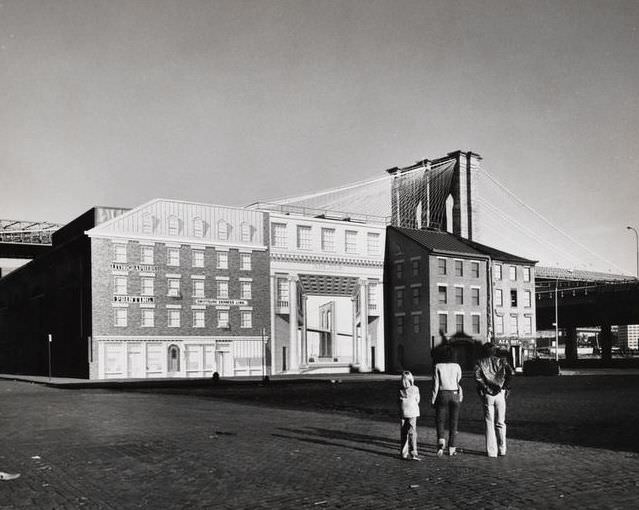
<point x="442" y="287"/>
<point x="628" y="336"/>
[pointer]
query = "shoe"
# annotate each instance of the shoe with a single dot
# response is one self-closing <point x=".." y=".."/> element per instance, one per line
<point x="9" y="476"/>
<point x="440" y="448"/>
<point x="502" y="453"/>
<point x="452" y="451"/>
<point x="415" y="457"/>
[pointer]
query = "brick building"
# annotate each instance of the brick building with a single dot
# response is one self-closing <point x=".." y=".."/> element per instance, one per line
<point x="440" y="285"/>
<point x="180" y="289"/>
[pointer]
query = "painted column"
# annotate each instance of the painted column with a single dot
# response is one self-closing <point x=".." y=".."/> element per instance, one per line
<point x="292" y="317"/>
<point x="363" y="318"/>
<point x="355" y="354"/>
<point x="304" y="335"/>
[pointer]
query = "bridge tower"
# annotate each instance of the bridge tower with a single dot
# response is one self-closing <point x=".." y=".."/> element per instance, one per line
<point x="437" y="194"/>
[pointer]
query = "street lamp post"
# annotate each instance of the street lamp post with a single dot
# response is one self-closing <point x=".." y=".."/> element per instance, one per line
<point x="556" y="321"/>
<point x="637" y="245"/>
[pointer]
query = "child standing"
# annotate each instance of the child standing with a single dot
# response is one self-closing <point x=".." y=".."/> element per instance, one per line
<point x="409" y="407"/>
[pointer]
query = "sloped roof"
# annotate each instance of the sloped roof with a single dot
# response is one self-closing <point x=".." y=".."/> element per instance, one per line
<point x="494" y="253"/>
<point x="438" y="241"/>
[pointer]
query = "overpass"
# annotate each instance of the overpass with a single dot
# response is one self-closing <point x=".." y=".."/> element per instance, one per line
<point x="21" y="239"/>
<point x="585" y="299"/>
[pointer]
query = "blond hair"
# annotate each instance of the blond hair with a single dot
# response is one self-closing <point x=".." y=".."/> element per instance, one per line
<point x="407" y="379"/>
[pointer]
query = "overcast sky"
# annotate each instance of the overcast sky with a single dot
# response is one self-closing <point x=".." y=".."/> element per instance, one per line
<point x="118" y="102"/>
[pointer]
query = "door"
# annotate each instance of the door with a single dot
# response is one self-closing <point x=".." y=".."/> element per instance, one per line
<point x="224" y="363"/>
<point x="135" y="362"/>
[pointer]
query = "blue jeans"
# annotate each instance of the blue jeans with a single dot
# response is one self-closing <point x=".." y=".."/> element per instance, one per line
<point x="495" y="417"/>
<point x="447" y="400"/>
<point x="409" y="437"/>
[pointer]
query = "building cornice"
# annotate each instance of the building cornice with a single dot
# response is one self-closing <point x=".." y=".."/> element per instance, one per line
<point x="326" y="259"/>
<point x="189" y="241"/>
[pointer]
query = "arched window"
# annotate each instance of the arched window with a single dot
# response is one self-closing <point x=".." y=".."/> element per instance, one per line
<point x="174" y="358"/>
<point x="174" y="225"/>
<point x="147" y="224"/>
<point x="222" y="230"/>
<point x="198" y="227"/>
<point x="246" y="232"/>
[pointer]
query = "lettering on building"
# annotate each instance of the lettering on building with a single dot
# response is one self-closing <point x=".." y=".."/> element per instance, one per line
<point x="142" y="268"/>
<point x="133" y="299"/>
<point x="221" y="302"/>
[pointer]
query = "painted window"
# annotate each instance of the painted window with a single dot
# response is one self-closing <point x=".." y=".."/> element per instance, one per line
<point x="497" y="271"/>
<point x="147" y="224"/>
<point x="119" y="252"/>
<point x="303" y="237"/>
<point x="246" y="232"/>
<point x="474" y="297"/>
<point x="245" y="290"/>
<point x="443" y="323"/>
<point x="442" y="293"/>
<point x="148" y="317"/>
<point x="245" y="261"/>
<point x="328" y="239"/>
<point x="514" y="325"/>
<point x="223" y="289"/>
<point x="513" y="297"/>
<point x="499" y="297"/>
<point x="173" y="318"/>
<point x="416" y="322"/>
<point x="173" y="225"/>
<point x="222" y="230"/>
<point x="278" y="235"/>
<point x="173" y="256"/>
<point x="173" y="287"/>
<point x="222" y="318"/>
<point x="415" y="266"/>
<point x="527" y="325"/>
<point x="120" y="316"/>
<point x="459" y="323"/>
<point x="512" y="273"/>
<point x="246" y="319"/>
<point x="222" y="259"/>
<point x="146" y="286"/>
<point x="400" y="324"/>
<point x="198" y="258"/>
<point x="474" y="269"/>
<point x="372" y="296"/>
<point x="475" y="324"/>
<point x="459" y="295"/>
<point x="399" y="298"/>
<point x="198" y="288"/>
<point x="147" y="254"/>
<point x="350" y="238"/>
<point x="441" y="266"/>
<point x="198" y="318"/>
<point x="198" y="227"/>
<point x="120" y="285"/>
<point x="174" y="358"/>
<point x="399" y="270"/>
<point x="527" y="298"/>
<point x="499" y="325"/>
<point x="526" y="274"/>
<point x="416" y="295"/>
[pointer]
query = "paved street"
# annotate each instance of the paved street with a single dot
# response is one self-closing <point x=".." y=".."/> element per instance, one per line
<point x="313" y="445"/>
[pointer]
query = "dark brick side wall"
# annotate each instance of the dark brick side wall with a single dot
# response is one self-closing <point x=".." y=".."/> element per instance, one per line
<point x="103" y="282"/>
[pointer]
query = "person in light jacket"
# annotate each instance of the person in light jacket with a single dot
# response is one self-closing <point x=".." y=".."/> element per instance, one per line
<point x="447" y="397"/>
<point x="493" y="375"/>
<point x="409" y="408"/>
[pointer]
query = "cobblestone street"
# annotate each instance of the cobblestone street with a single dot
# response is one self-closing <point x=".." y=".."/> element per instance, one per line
<point x="96" y="448"/>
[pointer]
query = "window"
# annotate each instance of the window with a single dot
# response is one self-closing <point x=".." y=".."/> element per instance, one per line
<point x="245" y="290"/>
<point x="146" y="286"/>
<point x="198" y="318"/>
<point x="147" y="224"/>
<point x="400" y="324"/>
<point x="174" y="287"/>
<point x="526" y="274"/>
<point x="198" y="227"/>
<point x="474" y="269"/>
<point x="459" y="323"/>
<point x="512" y="272"/>
<point x="527" y="325"/>
<point x="459" y="295"/>
<point x="499" y="325"/>
<point x="222" y="230"/>
<point x="148" y="317"/>
<point x="372" y="242"/>
<point x="499" y="297"/>
<point x="527" y="299"/>
<point x="416" y="322"/>
<point x="513" y="297"/>
<point x="173" y="225"/>
<point x="399" y="270"/>
<point x="173" y="318"/>
<point x="459" y="268"/>
<point x="475" y="324"/>
<point x="497" y="271"/>
<point x="198" y="258"/>
<point x="303" y="237"/>
<point x="443" y="294"/>
<point x="351" y="241"/>
<point x="282" y="291"/>
<point x="222" y="258"/>
<point x="198" y="288"/>
<point x="245" y="261"/>
<point x="441" y="266"/>
<point x="223" y="289"/>
<point x="443" y="323"/>
<point x="120" y="317"/>
<point x="372" y="296"/>
<point x="146" y="254"/>
<point x="514" y="325"/>
<point x="278" y="235"/>
<point x="120" y="285"/>
<point x="246" y="232"/>
<point x="474" y="297"/>
<point x="246" y="319"/>
<point x="399" y="298"/>
<point x="416" y="294"/>
<point x="119" y="252"/>
<point x="222" y="318"/>
<point x="328" y="239"/>
<point x="415" y="266"/>
<point x="173" y="256"/>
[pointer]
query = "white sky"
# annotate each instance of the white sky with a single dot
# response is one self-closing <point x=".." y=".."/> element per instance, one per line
<point x="230" y="102"/>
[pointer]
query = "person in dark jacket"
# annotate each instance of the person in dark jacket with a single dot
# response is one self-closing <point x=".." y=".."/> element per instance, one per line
<point x="493" y="375"/>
